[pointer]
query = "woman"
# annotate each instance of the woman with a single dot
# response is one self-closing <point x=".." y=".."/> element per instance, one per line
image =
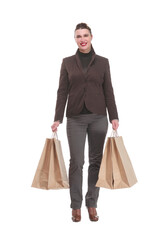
<point x="85" y="80"/>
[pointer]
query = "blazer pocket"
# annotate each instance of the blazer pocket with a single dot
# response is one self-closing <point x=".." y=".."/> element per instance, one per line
<point x="99" y="89"/>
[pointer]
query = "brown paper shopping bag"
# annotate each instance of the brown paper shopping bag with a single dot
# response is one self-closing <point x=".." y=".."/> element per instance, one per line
<point x="51" y="171"/>
<point x="116" y="170"/>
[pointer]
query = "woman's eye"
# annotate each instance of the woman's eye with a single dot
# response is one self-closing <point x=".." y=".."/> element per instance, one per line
<point x="86" y="35"/>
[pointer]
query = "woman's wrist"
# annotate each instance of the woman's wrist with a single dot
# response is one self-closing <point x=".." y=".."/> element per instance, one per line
<point x="58" y="121"/>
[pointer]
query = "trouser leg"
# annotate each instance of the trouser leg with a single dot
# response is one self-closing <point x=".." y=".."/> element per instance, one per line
<point x="76" y="133"/>
<point x="97" y="131"/>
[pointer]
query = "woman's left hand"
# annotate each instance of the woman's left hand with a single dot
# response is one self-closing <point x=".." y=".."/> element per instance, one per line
<point x="115" y="124"/>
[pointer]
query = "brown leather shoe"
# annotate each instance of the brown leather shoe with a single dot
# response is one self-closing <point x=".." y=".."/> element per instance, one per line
<point x="76" y="215"/>
<point x="92" y="214"/>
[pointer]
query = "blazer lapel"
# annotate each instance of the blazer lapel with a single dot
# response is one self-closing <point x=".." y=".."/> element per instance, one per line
<point x="79" y="62"/>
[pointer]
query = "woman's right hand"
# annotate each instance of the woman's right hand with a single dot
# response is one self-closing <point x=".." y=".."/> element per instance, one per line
<point x="54" y="126"/>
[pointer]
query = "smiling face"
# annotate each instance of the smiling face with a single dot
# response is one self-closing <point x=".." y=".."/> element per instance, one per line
<point x="83" y="39"/>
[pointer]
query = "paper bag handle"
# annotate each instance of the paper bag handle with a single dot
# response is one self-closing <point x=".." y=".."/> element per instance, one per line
<point x="54" y="135"/>
<point x="114" y="133"/>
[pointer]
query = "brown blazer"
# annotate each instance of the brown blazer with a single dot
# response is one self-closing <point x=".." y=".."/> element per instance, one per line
<point x="93" y="87"/>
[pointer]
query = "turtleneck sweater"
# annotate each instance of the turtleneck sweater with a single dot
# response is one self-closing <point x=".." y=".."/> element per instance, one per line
<point x="85" y="59"/>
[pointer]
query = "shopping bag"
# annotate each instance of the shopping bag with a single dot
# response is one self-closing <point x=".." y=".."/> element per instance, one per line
<point x="51" y="171"/>
<point x="116" y="170"/>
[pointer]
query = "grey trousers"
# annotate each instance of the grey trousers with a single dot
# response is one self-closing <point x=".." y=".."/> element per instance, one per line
<point x="78" y="127"/>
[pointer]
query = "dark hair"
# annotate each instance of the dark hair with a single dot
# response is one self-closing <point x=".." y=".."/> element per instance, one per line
<point x="83" y="26"/>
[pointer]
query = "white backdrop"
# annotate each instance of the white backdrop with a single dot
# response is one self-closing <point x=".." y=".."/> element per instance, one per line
<point x="35" y="37"/>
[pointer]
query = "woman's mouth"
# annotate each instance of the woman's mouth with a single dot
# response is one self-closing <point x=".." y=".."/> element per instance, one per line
<point x="83" y="44"/>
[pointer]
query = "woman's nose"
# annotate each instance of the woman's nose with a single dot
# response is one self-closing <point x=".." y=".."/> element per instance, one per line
<point x="82" y="39"/>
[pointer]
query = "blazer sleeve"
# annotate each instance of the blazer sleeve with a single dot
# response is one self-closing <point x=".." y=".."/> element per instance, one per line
<point x="109" y="94"/>
<point x="62" y="93"/>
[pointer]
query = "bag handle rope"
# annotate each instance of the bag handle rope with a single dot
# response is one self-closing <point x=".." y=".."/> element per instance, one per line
<point x="54" y="135"/>
<point x="114" y="133"/>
